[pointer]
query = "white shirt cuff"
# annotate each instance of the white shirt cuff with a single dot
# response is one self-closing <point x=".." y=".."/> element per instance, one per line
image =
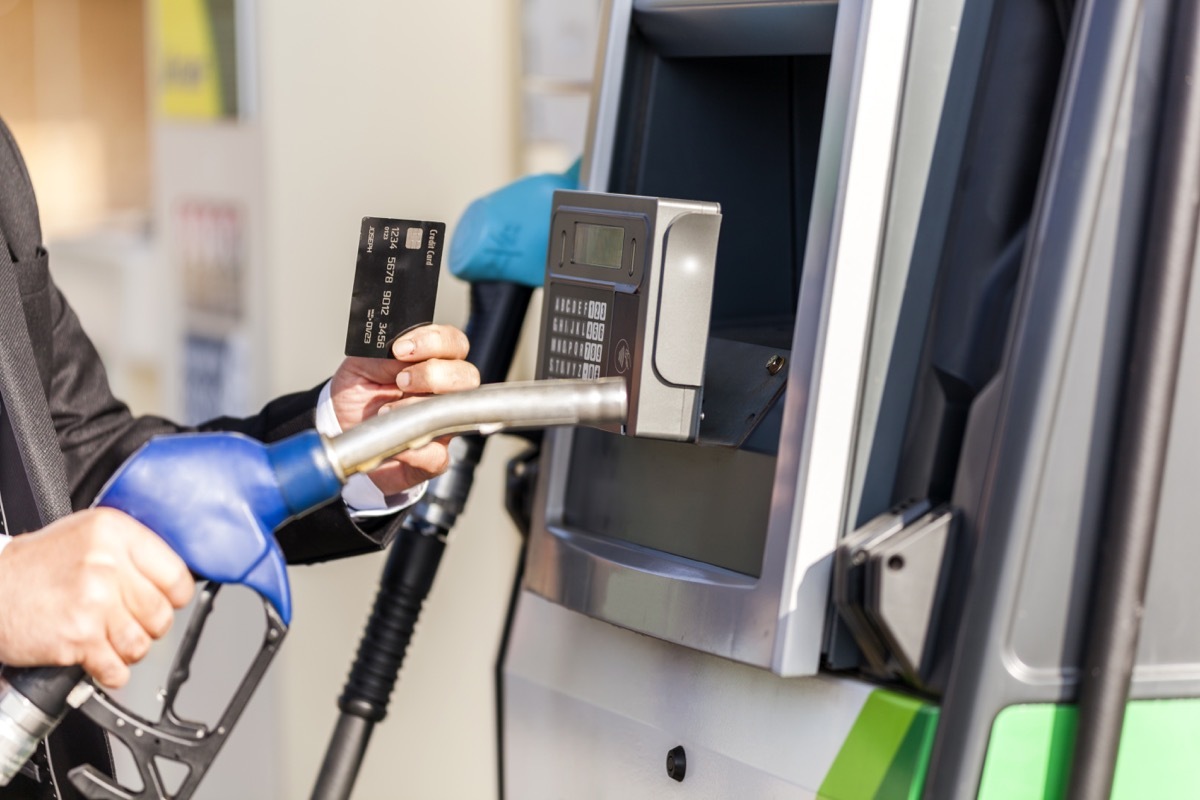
<point x="362" y="497"/>
<point x="4" y="540"/>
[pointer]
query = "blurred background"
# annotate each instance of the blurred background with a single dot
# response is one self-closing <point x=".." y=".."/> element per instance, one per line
<point x="202" y="167"/>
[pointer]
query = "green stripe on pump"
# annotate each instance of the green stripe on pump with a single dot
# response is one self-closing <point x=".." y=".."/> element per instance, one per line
<point x="1029" y="755"/>
<point x="887" y="752"/>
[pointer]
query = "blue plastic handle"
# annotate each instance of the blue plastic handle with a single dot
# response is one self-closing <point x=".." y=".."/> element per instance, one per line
<point x="502" y="236"/>
<point x="216" y="498"/>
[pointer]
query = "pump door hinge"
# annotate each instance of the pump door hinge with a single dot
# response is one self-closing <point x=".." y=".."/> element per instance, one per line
<point x="888" y="583"/>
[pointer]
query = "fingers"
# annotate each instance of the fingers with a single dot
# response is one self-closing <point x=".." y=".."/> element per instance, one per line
<point x="354" y="371"/>
<point x="427" y="360"/>
<point x="148" y="585"/>
<point x="412" y="467"/>
<point x="127" y="637"/>
<point x="432" y="459"/>
<point x="431" y="341"/>
<point x="148" y="606"/>
<point x="437" y="376"/>
<point x="103" y="664"/>
<point x="94" y="588"/>
<point x="162" y="567"/>
<point x="106" y="646"/>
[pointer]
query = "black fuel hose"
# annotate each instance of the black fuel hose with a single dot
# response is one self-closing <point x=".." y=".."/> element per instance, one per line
<point x="494" y="328"/>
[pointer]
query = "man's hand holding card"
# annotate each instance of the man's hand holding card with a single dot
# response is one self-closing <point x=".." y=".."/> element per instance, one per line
<point x="426" y="361"/>
<point x="395" y="355"/>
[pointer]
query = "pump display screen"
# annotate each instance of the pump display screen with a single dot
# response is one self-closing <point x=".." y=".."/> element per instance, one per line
<point x="599" y="245"/>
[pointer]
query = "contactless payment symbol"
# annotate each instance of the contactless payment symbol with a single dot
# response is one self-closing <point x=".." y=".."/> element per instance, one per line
<point x="623" y="358"/>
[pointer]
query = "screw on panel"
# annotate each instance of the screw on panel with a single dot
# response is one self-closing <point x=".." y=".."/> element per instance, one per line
<point x="775" y="363"/>
<point x="676" y="763"/>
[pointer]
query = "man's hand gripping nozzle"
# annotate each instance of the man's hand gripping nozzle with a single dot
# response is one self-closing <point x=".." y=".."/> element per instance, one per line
<point x="216" y="499"/>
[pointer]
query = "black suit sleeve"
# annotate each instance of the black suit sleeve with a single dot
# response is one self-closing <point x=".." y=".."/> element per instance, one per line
<point x="97" y="433"/>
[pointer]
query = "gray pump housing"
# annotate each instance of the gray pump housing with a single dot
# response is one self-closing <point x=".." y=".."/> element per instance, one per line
<point x="658" y="301"/>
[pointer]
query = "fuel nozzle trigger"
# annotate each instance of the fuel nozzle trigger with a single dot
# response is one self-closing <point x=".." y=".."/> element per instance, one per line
<point x="192" y="745"/>
<point x="215" y="499"/>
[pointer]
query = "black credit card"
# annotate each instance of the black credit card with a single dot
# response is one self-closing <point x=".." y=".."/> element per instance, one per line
<point x="395" y="282"/>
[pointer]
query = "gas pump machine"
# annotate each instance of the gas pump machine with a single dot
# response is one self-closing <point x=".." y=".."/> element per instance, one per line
<point x="869" y="270"/>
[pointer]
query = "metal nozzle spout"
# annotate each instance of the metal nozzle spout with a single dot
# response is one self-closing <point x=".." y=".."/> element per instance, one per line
<point x="490" y="408"/>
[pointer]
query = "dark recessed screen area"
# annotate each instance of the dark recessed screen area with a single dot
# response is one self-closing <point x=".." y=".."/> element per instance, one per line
<point x="708" y="504"/>
<point x="743" y="132"/>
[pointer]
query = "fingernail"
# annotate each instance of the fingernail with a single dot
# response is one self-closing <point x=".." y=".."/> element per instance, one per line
<point x="403" y="347"/>
<point x="403" y="379"/>
<point x="385" y="409"/>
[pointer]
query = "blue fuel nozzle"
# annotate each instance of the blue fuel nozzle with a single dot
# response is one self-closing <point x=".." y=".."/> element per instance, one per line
<point x="502" y="236"/>
<point x="216" y="499"/>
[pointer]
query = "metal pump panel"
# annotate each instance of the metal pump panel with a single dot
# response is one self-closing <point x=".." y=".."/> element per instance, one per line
<point x="629" y="283"/>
